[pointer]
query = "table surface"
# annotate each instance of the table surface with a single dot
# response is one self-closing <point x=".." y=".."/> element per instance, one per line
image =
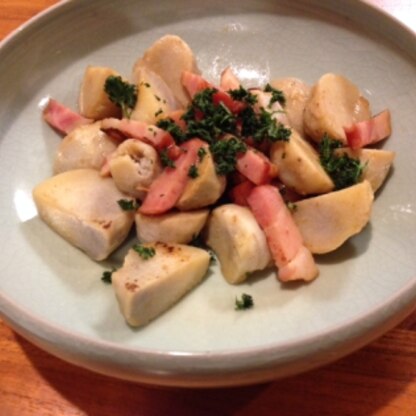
<point x="380" y="379"/>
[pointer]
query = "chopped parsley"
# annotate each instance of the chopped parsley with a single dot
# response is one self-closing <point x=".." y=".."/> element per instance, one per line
<point x="121" y="93"/>
<point x="263" y="126"/>
<point x="171" y="127"/>
<point x="207" y="120"/>
<point x="245" y="302"/>
<point x="193" y="172"/>
<point x="144" y="252"/>
<point x="277" y="95"/>
<point x="201" y="153"/>
<point x="165" y="159"/>
<point x="127" y="204"/>
<point x="107" y="276"/>
<point x="243" y="95"/>
<point x="344" y="170"/>
<point x="225" y="154"/>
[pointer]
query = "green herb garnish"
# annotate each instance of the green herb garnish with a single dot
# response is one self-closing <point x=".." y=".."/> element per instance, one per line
<point x="107" y="276"/>
<point x="225" y="154"/>
<point x="144" y="252"/>
<point x="121" y="93"/>
<point x="243" y="95"/>
<point x="344" y="170"/>
<point x="277" y="95"/>
<point x="245" y="302"/>
<point x="263" y="126"/>
<point x="171" y="127"/>
<point x="127" y="204"/>
<point x="207" y="120"/>
<point x="201" y="153"/>
<point x="193" y="172"/>
<point x="165" y="159"/>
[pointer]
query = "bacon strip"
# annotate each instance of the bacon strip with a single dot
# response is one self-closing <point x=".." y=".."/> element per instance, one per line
<point x="167" y="188"/>
<point x="256" y="167"/>
<point x="194" y="84"/>
<point x="292" y="258"/>
<point x="63" y="118"/>
<point x="125" y="128"/>
<point x="369" y="131"/>
<point x="239" y="193"/>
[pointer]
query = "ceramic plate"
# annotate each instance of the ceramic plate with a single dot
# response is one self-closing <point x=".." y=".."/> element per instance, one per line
<point x="52" y="293"/>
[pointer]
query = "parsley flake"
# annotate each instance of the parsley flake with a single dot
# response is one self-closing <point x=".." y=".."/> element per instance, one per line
<point x="277" y="95"/>
<point x="107" y="276"/>
<point x="344" y="170"/>
<point x="121" y="93"/>
<point x="245" y="302"/>
<point x="166" y="160"/>
<point x="193" y="172"/>
<point x="127" y="204"/>
<point x="144" y="252"/>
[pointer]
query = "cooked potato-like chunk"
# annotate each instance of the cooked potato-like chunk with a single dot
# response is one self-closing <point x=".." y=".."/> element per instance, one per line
<point x="377" y="164"/>
<point x="238" y="241"/>
<point x="327" y="221"/>
<point x="85" y="147"/>
<point x="82" y="207"/>
<point x="296" y="93"/>
<point x="205" y="189"/>
<point x="169" y="57"/>
<point x="145" y="288"/>
<point x="299" y="166"/>
<point x="134" y="166"/>
<point x="156" y="99"/>
<point x="93" y="100"/>
<point x="334" y="103"/>
<point x="173" y="227"/>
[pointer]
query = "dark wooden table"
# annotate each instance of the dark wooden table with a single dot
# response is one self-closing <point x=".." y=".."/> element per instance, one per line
<point x="380" y="379"/>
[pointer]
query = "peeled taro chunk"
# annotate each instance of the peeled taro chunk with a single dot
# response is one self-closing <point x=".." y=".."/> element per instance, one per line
<point x="82" y="207"/>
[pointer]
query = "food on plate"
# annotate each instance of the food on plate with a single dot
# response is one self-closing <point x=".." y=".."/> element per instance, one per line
<point x="206" y="187"/>
<point x="156" y="98"/>
<point x="334" y="103"/>
<point x="82" y="207"/>
<point x="93" y="101"/>
<point x="327" y="221"/>
<point x="296" y="93"/>
<point x="168" y="57"/>
<point x="86" y="146"/>
<point x="292" y="258"/>
<point x="62" y="118"/>
<point x="299" y="166"/>
<point x="134" y="165"/>
<point x="266" y="177"/>
<point x="155" y="276"/>
<point x="369" y="131"/>
<point x="376" y="163"/>
<point x="238" y="241"/>
<point x="172" y="227"/>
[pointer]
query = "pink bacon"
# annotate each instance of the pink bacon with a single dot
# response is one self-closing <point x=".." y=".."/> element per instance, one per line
<point x="168" y="187"/>
<point x="125" y="128"/>
<point x="369" y="131"/>
<point x="292" y="258"/>
<point x="63" y="118"/>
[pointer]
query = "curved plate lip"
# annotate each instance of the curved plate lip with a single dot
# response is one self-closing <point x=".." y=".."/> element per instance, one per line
<point x="44" y="14"/>
<point x="182" y="368"/>
<point x="185" y="368"/>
